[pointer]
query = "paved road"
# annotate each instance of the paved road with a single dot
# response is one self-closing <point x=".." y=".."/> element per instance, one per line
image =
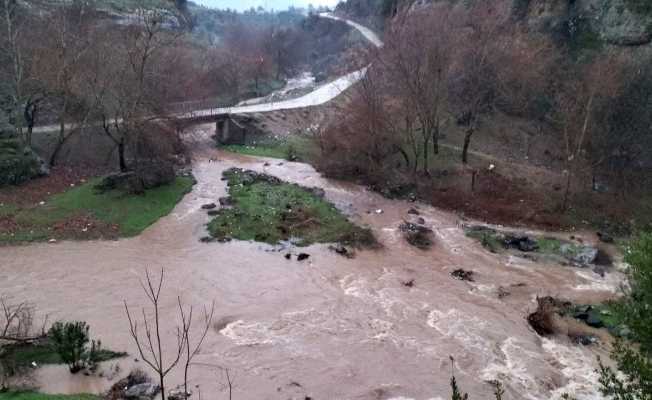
<point x="321" y="95"/>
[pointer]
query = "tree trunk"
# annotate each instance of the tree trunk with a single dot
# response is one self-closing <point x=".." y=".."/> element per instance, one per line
<point x="405" y="157"/>
<point x="60" y="142"/>
<point x="467" y="143"/>
<point x="567" y="190"/>
<point x="121" y="155"/>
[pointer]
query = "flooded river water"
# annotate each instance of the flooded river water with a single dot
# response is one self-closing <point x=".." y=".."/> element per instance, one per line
<point x="329" y="327"/>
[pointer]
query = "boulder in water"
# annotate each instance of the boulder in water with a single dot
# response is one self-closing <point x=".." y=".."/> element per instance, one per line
<point x="142" y="391"/>
<point x="521" y="242"/>
<point x="581" y="256"/>
<point x="417" y="235"/>
<point x="463" y="275"/>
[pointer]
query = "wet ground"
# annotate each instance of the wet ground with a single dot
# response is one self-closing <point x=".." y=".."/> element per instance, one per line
<point x="379" y="326"/>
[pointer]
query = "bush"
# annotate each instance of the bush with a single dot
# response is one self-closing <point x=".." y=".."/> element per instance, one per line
<point x="18" y="164"/>
<point x="633" y="381"/>
<point x="70" y="340"/>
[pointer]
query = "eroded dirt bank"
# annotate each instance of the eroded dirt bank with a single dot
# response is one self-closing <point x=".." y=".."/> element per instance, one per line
<point x="329" y="327"/>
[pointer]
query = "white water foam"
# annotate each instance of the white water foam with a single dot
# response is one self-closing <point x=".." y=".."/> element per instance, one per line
<point x="610" y="283"/>
<point x="578" y="368"/>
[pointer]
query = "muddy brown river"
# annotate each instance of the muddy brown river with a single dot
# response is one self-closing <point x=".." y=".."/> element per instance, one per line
<point x="327" y="328"/>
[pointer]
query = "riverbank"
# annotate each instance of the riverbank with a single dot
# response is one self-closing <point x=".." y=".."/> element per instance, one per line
<point x="386" y="320"/>
<point x="68" y="207"/>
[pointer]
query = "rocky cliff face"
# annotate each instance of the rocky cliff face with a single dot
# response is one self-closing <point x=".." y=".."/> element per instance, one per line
<point x="616" y="22"/>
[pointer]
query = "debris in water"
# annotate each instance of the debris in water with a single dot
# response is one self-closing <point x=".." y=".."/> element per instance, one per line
<point x="463" y="275"/>
<point x="502" y="292"/>
<point x="409" y="283"/>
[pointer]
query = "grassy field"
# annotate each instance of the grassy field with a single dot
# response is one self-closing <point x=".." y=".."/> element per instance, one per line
<point x="271" y="211"/>
<point x="294" y="148"/>
<point x="42" y="396"/>
<point x="82" y="213"/>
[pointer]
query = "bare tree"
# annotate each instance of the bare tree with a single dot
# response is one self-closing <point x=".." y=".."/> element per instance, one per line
<point x="133" y="98"/>
<point x="150" y="347"/>
<point x="193" y="350"/>
<point x="17" y="322"/>
<point x="417" y="58"/>
<point x="474" y="82"/>
<point x="16" y="59"/>
<point x="578" y="98"/>
<point x="70" y="35"/>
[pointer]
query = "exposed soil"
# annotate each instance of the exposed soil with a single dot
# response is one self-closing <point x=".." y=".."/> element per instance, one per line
<point x="59" y="180"/>
<point x="497" y="199"/>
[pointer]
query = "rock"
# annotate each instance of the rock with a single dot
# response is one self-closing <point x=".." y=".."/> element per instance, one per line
<point x="521" y="242"/>
<point x="341" y="250"/>
<point x="288" y="256"/>
<point x="503" y="292"/>
<point x="303" y="256"/>
<point x="178" y="394"/>
<point x="409" y="283"/>
<point x="213" y="213"/>
<point x="379" y="211"/>
<point x="463" y="275"/>
<point x="413" y="211"/>
<point x="140" y="391"/>
<point x="421" y="221"/>
<point x="417" y="235"/>
<point x="209" y="206"/>
<point x="543" y="319"/>
<point x="605" y="237"/>
<point x="225" y="201"/>
<point x="600" y="271"/>
<point x="585" y="340"/>
<point x="207" y="239"/>
<point x="146" y="175"/>
<point x="594" y="319"/>
<point x="579" y="255"/>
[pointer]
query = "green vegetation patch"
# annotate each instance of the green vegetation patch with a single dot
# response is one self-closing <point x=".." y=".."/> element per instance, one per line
<point x="18" y="164"/>
<point x="82" y="213"/>
<point x="15" y="357"/>
<point x="43" y="396"/>
<point x="640" y="7"/>
<point x="268" y="210"/>
<point x="295" y="148"/>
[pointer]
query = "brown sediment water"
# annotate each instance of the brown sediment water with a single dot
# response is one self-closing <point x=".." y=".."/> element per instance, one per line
<point x="327" y="328"/>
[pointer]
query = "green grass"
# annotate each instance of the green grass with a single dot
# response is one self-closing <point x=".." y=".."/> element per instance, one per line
<point x="43" y="396"/>
<point x="294" y="148"/>
<point x="130" y="213"/>
<point x="273" y="212"/>
<point x="489" y="238"/>
<point x="549" y="245"/>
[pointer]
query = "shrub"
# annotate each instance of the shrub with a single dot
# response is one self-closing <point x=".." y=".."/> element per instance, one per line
<point x="70" y="340"/>
<point x="633" y="380"/>
<point x="17" y="163"/>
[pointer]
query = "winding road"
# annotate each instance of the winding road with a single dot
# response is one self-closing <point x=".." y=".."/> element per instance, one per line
<point x="321" y="95"/>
